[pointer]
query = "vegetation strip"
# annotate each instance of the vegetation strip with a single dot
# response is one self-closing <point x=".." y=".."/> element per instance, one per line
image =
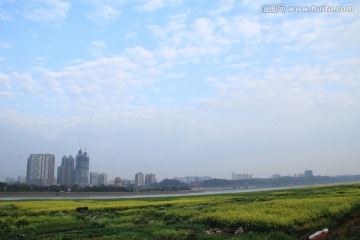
<point x="279" y="214"/>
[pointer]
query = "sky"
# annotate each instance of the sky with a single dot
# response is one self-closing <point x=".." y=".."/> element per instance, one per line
<point x="180" y="87"/>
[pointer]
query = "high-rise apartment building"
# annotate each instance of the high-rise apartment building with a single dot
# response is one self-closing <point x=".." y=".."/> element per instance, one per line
<point x="98" y="179"/>
<point x="308" y="173"/>
<point x="82" y="168"/>
<point x="103" y="179"/>
<point x="139" y="179"/>
<point x="149" y="179"/>
<point x="94" y="178"/>
<point x="117" y="181"/>
<point x="66" y="171"/>
<point x="239" y="176"/>
<point x="40" y="169"/>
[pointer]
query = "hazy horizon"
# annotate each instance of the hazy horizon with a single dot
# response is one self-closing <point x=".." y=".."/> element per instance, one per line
<point x="180" y="88"/>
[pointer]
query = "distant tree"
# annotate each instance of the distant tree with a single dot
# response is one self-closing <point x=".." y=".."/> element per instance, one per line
<point x="3" y="187"/>
<point x="76" y="188"/>
<point x="170" y="184"/>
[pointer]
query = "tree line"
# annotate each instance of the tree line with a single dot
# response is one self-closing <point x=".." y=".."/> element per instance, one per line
<point x="22" y="187"/>
<point x="165" y="185"/>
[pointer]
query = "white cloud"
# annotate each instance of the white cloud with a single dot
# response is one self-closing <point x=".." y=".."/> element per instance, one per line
<point x="224" y="6"/>
<point x="322" y="33"/>
<point x="4" y="16"/>
<point x="132" y="35"/>
<point x="49" y="11"/>
<point x="99" y="43"/>
<point x="104" y="14"/>
<point x="158" y="31"/>
<point x="167" y="52"/>
<point x="96" y="84"/>
<point x="5" y="45"/>
<point x="98" y="47"/>
<point x="151" y="5"/>
<point x="95" y="89"/>
<point x="207" y="37"/>
<point x="140" y="54"/>
<point x="46" y="126"/>
<point x="293" y="101"/>
<point x="4" y="84"/>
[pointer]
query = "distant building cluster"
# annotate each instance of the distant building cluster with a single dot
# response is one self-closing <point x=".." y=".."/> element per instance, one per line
<point x="72" y="171"/>
<point x="240" y="176"/>
<point x="13" y="180"/>
<point x="40" y="170"/>
<point x="76" y="171"/>
<point x="306" y="174"/>
<point x="192" y="179"/>
<point x="144" y="180"/>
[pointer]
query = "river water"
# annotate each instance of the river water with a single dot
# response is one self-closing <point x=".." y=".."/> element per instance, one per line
<point x="205" y="192"/>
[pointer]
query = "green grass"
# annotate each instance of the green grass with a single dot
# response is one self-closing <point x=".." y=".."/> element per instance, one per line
<point x="279" y="214"/>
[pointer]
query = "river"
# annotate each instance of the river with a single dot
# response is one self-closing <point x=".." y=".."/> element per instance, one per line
<point x="139" y="195"/>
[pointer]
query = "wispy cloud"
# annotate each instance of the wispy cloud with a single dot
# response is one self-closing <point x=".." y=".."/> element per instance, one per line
<point x="291" y="101"/>
<point x="207" y="37"/>
<point x="104" y="14"/>
<point x="101" y="87"/>
<point x="5" y="45"/>
<point x="48" y="11"/>
<point x="223" y="6"/>
<point x="153" y="5"/>
<point x="98" y="47"/>
<point x="4" y="16"/>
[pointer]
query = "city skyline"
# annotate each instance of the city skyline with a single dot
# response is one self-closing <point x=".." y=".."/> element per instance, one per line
<point x="180" y="88"/>
<point x="145" y="180"/>
<point x="66" y="173"/>
<point x="67" y="167"/>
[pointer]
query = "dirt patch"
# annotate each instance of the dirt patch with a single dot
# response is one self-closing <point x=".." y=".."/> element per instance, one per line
<point x="348" y="228"/>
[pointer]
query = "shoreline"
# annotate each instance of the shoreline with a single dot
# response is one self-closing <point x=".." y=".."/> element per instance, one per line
<point x="15" y="196"/>
<point x="92" y="194"/>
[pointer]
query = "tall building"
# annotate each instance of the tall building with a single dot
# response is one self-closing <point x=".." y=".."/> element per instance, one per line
<point x="308" y="173"/>
<point x="139" y="179"/>
<point x="98" y="179"/>
<point x="117" y="181"/>
<point x="149" y="179"/>
<point x="103" y="179"/>
<point x="66" y="172"/>
<point x="40" y="169"/>
<point x="82" y="168"/>
<point x="239" y="176"/>
<point x="21" y="179"/>
<point x="94" y="178"/>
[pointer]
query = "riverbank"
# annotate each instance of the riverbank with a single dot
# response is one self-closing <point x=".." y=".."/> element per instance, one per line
<point x="13" y="196"/>
<point x="92" y="194"/>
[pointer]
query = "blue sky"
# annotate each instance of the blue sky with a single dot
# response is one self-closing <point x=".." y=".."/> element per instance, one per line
<point x="180" y="87"/>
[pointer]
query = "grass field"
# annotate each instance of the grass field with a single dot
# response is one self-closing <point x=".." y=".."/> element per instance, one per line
<point x="280" y="214"/>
